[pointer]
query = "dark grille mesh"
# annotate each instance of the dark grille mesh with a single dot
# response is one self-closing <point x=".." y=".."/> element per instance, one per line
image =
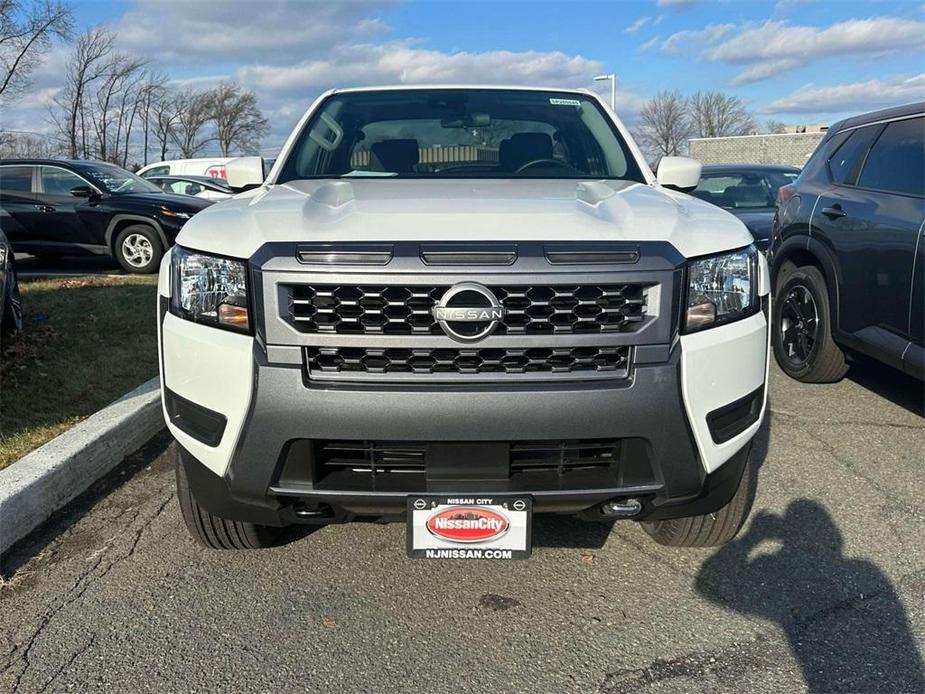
<point x="531" y="310"/>
<point x="361" y="360"/>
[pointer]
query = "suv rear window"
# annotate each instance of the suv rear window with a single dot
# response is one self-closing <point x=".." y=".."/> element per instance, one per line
<point x="845" y="164"/>
<point x="460" y="133"/>
<point x="896" y="162"/>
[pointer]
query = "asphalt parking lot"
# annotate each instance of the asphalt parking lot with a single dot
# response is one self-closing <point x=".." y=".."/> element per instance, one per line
<point x="823" y="590"/>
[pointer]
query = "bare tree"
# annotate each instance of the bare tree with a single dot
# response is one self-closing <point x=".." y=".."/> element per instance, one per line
<point x="17" y="145"/>
<point x="163" y="118"/>
<point x="89" y="62"/>
<point x="775" y="127"/>
<point x="25" y="36"/>
<point x="151" y="92"/>
<point x="715" y="114"/>
<point x="113" y="106"/>
<point x="190" y="131"/>
<point x="239" y="124"/>
<point x="129" y="105"/>
<point x="665" y="124"/>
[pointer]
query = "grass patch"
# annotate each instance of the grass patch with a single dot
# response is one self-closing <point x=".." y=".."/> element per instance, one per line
<point x="87" y="341"/>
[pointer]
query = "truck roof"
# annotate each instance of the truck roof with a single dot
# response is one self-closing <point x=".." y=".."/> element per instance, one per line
<point x="499" y="87"/>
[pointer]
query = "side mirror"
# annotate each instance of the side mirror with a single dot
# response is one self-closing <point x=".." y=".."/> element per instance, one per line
<point x="83" y="192"/>
<point x="244" y="172"/>
<point x="680" y="173"/>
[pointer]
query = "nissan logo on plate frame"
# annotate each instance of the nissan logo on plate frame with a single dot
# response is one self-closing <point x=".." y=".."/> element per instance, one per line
<point x="468" y="312"/>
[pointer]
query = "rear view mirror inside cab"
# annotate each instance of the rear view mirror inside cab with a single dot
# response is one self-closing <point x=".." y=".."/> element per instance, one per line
<point x="469" y="120"/>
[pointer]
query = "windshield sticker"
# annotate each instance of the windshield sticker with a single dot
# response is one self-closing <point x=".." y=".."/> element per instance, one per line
<point x="565" y="102"/>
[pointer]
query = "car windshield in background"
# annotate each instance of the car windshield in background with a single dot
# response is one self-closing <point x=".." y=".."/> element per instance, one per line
<point x="117" y="181"/>
<point x="742" y="190"/>
<point x="460" y="133"/>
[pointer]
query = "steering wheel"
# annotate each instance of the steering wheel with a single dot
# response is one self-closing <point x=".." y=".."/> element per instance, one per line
<point x="537" y="162"/>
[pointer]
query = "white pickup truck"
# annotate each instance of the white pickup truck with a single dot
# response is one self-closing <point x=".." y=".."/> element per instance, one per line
<point x="457" y="307"/>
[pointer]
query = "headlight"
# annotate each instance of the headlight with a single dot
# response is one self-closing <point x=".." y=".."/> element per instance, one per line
<point x="167" y="212"/>
<point x="208" y="289"/>
<point x="721" y="289"/>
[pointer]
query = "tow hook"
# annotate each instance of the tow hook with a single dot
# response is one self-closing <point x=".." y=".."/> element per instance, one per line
<point x="622" y="508"/>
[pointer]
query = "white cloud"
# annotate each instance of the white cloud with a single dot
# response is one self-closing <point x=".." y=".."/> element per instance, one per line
<point x="855" y="96"/>
<point x="271" y="30"/>
<point x="694" y="40"/>
<point x="774" y="47"/>
<point x="406" y="63"/>
<point x="763" y="71"/>
<point x="651" y="44"/>
<point x="637" y="25"/>
<point x="679" y="4"/>
<point x="779" y="40"/>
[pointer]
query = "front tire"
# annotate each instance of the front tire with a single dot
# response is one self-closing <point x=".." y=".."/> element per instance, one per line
<point x="138" y="249"/>
<point x="711" y="529"/>
<point x="213" y="532"/>
<point x="802" y="329"/>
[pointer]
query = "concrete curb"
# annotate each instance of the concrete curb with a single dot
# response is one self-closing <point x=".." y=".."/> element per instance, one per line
<point x="41" y="482"/>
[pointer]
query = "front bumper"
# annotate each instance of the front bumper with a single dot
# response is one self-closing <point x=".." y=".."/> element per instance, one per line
<point x="273" y="477"/>
<point x="681" y="423"/>
<point x="270" y="476"/>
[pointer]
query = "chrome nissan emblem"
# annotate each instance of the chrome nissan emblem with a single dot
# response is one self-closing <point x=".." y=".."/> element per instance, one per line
<point x="468" y="312"/>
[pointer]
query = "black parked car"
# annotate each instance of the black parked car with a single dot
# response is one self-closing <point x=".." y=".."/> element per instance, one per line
<point x="748" y="191"/>
<point x="847" y="254"/>
<point x="10" y="300"/>
<point x="53" y="208"/>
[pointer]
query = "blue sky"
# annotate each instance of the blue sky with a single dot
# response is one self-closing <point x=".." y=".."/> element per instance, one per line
<point x="794" y="60"/>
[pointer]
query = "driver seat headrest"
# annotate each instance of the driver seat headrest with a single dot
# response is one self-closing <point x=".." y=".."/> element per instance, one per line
<point x="394" y="156"/>
<point x="522" y="148"/>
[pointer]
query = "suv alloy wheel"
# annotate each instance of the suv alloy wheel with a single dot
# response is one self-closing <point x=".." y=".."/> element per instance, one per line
<point x="138" y="249"/>
<point x="802" y="332"/>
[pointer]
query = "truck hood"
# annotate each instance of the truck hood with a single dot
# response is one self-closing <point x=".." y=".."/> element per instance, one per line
<point x="385" y="210"/>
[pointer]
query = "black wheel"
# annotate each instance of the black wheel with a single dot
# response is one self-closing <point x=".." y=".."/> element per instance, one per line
<point x="218" y="533"/>
<point x="712" y="529"/>
<point x="138" y="249"/>
<point x="802" y="328"/>
<point x="12" y="313"/>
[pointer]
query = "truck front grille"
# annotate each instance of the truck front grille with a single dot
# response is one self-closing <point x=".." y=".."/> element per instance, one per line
<point x="406" y="310"/>
<point x="322" y="361"/>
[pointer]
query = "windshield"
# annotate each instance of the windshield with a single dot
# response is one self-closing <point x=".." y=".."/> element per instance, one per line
<point x="117" y="181"/>
<point x="460" y="133"/>
<point x="743" y="190"/>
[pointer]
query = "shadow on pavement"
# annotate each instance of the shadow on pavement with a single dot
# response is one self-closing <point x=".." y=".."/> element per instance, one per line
<point x="887" y="382"/>
<point x="29" y="266"/>
<point x="842" y="617"/>
<point x="570" y="532"/>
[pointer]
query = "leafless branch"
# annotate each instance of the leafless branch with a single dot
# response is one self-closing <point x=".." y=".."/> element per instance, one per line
<point x="26" y="33"/>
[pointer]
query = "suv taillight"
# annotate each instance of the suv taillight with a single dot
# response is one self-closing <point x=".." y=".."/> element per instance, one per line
<point x="784" y="193"/>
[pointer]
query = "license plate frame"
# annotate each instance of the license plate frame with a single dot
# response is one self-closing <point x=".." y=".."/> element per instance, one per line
<point x="450" y="526"/>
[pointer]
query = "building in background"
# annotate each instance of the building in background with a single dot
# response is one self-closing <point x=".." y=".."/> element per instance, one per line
<point x="790" y="148"/>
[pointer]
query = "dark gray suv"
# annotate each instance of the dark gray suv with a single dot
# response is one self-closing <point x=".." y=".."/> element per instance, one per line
<point x="847" y="255"/>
